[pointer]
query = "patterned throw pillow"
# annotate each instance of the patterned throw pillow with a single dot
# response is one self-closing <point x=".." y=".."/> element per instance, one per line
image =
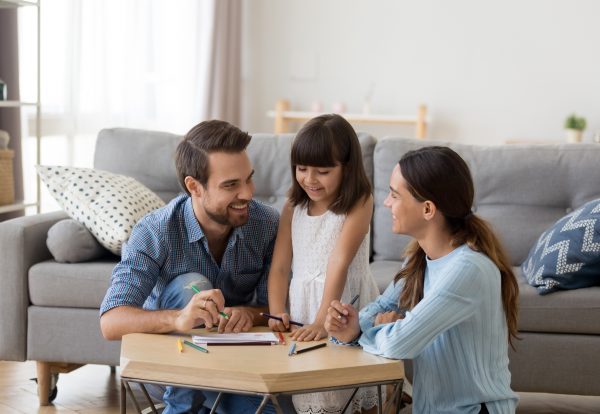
<point x="107" y="204"/>
<point x="567" y="255"/>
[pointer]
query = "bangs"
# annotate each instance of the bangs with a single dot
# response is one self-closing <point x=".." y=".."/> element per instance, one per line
<point x="318" y="151"/>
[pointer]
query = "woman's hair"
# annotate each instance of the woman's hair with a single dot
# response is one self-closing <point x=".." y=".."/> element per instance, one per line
<point x="440" y="175"/>
<point x="191" y="155"/>
<point x="326" y="141"/>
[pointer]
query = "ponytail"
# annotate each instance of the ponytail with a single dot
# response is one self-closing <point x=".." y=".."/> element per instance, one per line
<point x="479" y="236"/>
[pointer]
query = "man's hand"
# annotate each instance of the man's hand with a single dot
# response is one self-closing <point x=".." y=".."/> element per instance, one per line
<point x="204" y="308"/>
<point x="387" y="317"/>
<point x="240" y="320"/>
<point x="342" y="321"/>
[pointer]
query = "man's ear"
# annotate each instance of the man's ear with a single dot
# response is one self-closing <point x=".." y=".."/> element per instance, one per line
<point x="193" y="186"/>
<point x="429" y="210"/>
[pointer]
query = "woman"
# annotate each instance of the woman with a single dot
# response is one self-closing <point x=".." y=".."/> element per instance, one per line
<point x="453" y="308"/>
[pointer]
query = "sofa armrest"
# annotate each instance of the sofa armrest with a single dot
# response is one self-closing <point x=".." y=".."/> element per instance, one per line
<point x="22" y="244"/>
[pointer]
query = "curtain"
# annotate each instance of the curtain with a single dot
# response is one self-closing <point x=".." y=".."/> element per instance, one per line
<point x="154" y="64"/>
<point x="10" y="118"/>
<point x="224" y="63"/>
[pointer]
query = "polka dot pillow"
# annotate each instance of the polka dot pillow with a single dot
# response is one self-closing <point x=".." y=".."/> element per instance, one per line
<point x="107" y="204"/>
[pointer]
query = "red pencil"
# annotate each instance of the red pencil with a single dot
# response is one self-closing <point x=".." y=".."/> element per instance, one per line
<point x="281" y="338"/>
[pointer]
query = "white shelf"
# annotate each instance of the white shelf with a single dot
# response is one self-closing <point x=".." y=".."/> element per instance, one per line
<point x="15" y="104"/>
<point x="16" y="207"/>
<point x="17" y="3"/>
<point x="362" y="118"/>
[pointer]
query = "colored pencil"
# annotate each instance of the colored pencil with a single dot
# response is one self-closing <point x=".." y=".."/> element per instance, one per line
<point x="179" y="345"/>
<point x="292" y="349"/>
<point x="267" y="315"/>
<point x="281" y="338"/>
<point x="199" y="348"/>
<point x="310" y="348"/>
<point x="354" y="299"/>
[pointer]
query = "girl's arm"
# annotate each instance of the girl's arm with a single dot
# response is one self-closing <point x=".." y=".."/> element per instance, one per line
<point x="354" y="230"/>
<point x="278" y="282"/>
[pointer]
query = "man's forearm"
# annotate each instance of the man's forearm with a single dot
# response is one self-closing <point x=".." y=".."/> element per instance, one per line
<point x="123" y="320"/>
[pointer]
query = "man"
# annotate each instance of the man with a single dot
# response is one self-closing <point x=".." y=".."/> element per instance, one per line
<point x="215" y="239"/>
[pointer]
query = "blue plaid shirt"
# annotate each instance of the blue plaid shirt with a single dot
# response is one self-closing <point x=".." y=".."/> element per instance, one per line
<point x="169" y="242"/>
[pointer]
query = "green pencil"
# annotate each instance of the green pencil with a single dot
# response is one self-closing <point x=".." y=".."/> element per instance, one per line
<point x="199" y="348"/>
<point x="223" y="314"/>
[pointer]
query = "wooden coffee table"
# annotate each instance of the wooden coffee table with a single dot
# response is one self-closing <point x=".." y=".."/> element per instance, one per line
<point x="264" y="370"/>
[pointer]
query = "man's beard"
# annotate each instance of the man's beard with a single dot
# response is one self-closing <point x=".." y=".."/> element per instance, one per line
<point x="224" y="219"/>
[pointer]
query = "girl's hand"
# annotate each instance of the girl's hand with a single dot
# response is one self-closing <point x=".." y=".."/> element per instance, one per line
<point x="387" y="317"/>
<point x="342" y="321"/>
<point x="312" y="332"/>
<point x="279" y="326"/>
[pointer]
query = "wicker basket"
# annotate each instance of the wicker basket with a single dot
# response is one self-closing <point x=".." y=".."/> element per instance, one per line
<point x="7" y="181"/>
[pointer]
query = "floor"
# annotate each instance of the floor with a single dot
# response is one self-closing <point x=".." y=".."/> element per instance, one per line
<point x="92" y="389"/>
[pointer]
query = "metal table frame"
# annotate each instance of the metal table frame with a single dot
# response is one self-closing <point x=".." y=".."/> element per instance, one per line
<point x="126" y="389"/>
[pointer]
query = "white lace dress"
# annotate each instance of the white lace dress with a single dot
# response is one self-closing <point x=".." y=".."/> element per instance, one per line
<point x="313" y="240"/>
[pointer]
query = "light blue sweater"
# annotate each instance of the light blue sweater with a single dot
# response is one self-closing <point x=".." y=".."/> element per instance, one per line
<point x="456" y="336"/>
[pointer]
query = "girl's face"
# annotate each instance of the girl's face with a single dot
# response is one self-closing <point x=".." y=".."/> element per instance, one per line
<point x="321" y="184"/>
<point x="407" y="211"/>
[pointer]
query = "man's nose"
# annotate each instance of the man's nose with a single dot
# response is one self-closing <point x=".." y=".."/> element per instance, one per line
<point x="247" y="191"/>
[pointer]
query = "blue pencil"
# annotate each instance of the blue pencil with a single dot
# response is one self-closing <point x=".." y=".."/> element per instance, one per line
<point x="292" y="349"/>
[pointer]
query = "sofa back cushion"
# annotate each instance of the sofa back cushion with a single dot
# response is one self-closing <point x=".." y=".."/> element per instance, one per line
<point x="520" y="189"/>
<point x="148" y="156"/>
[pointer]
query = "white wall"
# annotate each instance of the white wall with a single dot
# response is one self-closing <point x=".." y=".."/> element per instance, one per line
<point x="488" y="70"/>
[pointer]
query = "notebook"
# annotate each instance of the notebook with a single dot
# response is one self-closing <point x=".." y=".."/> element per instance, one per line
<point x="242" y="338"/>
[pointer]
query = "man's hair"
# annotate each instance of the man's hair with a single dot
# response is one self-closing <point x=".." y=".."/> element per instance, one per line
<point x="191" y="156"/>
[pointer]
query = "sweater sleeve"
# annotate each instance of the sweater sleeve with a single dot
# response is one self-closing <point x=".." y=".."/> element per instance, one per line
<point x="387" y="301"/>
<point x="453" y="299"/>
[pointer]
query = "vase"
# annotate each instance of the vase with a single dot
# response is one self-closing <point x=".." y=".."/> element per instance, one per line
<point x="573" y="135"/>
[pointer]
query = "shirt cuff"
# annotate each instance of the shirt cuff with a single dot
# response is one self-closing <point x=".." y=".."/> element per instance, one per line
<point x="354" y="342"/>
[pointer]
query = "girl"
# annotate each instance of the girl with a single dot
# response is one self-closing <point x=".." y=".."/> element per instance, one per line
<point x="457" y="287"/>
<point x="324" y="227"/>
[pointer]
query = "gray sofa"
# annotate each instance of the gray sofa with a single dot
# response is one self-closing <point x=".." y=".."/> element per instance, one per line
<point x="49" y="310"/>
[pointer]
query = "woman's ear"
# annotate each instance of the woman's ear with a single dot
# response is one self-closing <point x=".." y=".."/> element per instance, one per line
<point x="429" y="210"/>
<point x="193" y="186"/>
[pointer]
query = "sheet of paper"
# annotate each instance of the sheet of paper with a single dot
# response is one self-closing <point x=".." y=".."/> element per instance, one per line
<point x="235" y="338"/>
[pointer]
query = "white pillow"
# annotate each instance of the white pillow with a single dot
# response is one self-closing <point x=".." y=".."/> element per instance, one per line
<point x="107" y="204"/>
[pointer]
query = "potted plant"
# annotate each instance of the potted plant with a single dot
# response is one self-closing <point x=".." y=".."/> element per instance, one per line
<point x="575" y="126"/>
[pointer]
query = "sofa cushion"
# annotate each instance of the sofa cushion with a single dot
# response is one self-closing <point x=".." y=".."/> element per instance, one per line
<point x="107" y="204"/>
<point x="520" y="189"/>
<point x="567" y="255"/>
<point x="115" y="149"/>
<point x="567" y="311"/>
<point x="70" y="242"/>
<point x="71" y="285"/>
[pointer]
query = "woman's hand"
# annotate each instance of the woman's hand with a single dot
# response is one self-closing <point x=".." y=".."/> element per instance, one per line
<point x="387" y="317"/>
<point x="312" y="332"/>
<point x="280" y="326"/>
<point x="342" y="321"/>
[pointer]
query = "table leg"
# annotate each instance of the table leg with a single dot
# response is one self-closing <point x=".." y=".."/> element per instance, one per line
<point x="379" y="402"/>
<point x="213" y="410"/>
<point x="275" y="401"/>
<point x="399" y="405"/>
<point x="263" y="404"/>
<point x="137" y="406"/>
<point x="148" y="398"/>
<point x="123" y="398"/>
<point x="349" y="401"/>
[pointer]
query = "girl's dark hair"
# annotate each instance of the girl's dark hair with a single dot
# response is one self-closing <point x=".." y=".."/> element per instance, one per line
<point x="191" y="155"/>
<point x="440" y="175"/>
<point x="326" y="141"/>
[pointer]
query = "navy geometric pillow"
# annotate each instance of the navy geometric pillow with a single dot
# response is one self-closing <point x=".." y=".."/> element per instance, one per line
<point x="567" y="255"/>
